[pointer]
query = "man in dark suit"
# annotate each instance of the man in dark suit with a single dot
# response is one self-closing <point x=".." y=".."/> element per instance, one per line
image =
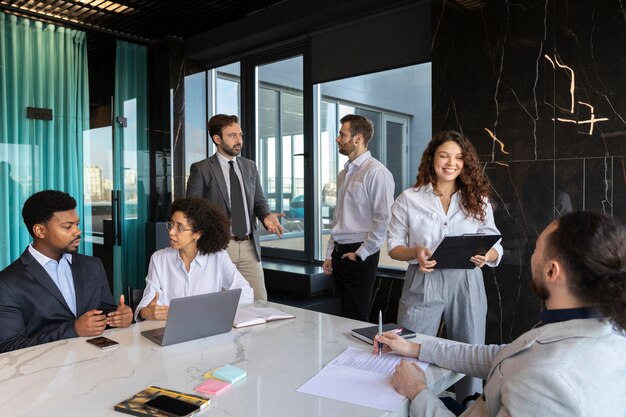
<point x="51" y="292"/>
<point x="211" y="179"/>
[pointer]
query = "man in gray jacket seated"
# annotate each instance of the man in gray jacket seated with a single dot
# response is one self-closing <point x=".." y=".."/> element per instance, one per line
<point x="573" y="363"/>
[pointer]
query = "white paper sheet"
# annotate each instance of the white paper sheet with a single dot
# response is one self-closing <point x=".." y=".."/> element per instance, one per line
<point x="360" y="377"/>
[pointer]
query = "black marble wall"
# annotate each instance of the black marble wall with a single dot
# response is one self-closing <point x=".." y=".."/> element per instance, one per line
<point x="166" y="92"/>
<point x="539" y="88"/>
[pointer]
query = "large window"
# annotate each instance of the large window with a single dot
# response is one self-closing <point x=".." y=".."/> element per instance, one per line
<point x="207" y="94"/>
<point x="398" y="102"/>
<point x="280" y="147"/>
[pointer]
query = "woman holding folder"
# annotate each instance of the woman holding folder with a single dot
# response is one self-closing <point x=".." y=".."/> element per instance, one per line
<point x="450" y="197"/>
<point x="196" y="261"/>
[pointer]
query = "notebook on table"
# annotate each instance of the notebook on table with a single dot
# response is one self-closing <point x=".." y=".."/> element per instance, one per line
<point x="197" y="316"/>
<point x="249" y="316"/>
<point x="367" y="334"/>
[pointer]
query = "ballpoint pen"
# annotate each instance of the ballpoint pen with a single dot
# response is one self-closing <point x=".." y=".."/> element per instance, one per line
<point x="380" y="331"/>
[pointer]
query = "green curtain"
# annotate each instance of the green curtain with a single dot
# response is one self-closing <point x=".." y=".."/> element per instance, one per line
<point x="41" y="65"/>
<point x="131" y="159"/>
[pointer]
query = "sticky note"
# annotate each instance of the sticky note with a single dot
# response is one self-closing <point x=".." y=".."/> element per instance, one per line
<point x="212" y="387"/>
<point x="209" y="374"/>
<point x="229" y="373"/>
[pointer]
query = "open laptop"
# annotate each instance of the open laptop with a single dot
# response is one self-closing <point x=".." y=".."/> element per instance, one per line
<point x="197" y="316"/>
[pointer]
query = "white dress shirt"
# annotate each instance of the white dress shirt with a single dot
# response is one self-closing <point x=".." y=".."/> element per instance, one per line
<point x="418" y="219"/>
<point x="226" y="171"/>
<point x="61" y="274"/>
<point x="208" y="273"/>
<point x="364" y="198"/>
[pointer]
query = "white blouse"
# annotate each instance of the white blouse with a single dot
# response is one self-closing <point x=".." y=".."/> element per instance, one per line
<point x="207" y="273"/>
<point x="418" y="219"/>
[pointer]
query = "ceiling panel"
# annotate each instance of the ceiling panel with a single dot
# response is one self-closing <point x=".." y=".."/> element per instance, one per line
<point x="139" y="20"/>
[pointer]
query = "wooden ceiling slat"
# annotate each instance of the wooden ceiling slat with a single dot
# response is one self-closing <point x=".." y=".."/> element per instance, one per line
<point x="145" y="19"/>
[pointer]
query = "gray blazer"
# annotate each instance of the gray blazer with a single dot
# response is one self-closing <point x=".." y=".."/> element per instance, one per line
<point x="206" y="180"/>
<point x="32" y="308"/>
<point x="574" y="368"/>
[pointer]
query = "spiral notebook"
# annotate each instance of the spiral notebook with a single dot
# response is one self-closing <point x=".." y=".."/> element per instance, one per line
<point x="358" y="376"/>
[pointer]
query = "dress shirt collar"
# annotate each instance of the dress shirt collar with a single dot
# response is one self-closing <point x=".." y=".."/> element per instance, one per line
<point x="429" y="189"/>
<point x="358" y="161"/>
<point x="43" y="259"/>
<point x="564" y="314"/>
<point x="223" y="160"/>
<point x="200" y="259"/>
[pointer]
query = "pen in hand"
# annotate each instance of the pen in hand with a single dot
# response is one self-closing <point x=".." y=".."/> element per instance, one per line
<point x="380" y="331"/>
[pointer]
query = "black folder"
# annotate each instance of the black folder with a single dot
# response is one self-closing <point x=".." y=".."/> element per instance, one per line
<point x="454" y="252"/>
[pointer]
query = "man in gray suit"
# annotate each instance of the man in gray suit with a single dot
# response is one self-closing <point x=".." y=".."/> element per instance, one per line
<point x="573" y="362"/>
<point x="216" y="178"/>
<point x="51" y="292"/>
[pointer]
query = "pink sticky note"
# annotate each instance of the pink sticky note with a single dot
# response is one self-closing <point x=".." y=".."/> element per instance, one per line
<point x="212" y="387"/>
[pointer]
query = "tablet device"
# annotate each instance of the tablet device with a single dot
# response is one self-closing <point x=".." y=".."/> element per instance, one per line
<point x="454" y="252"/>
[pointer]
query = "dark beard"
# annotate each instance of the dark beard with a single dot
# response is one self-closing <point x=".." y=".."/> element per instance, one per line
<point x="231" y="151"/>
<point x="69" y="248"/>
<point x="540" y="290"/>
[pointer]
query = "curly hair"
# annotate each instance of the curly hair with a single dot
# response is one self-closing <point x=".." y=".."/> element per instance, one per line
<point x="207" y="219"/>
<point x="592" y="248"/>
<point x="472" y="182"/>
<point x="40" y="207"/>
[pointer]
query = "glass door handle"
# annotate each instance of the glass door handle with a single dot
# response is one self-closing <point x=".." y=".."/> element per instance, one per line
<point x="116" y="211"/>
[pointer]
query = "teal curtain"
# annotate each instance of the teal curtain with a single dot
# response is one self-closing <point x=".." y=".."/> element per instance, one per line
<point x="41" y="65"/>
<point x="131" y="159"/>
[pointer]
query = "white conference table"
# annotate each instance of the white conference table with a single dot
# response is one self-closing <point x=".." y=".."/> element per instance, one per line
<point x="73" y="378"/>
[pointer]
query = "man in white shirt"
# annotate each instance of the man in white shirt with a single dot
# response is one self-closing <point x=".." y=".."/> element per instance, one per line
<point x="211" y="179"/>
<point x="364" y="198"/>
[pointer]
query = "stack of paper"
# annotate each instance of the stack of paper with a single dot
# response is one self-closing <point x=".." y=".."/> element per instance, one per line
<point x="359" y="377"/>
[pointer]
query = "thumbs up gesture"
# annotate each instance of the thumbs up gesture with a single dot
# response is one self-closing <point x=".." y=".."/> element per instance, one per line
<point x="154" y="311"/>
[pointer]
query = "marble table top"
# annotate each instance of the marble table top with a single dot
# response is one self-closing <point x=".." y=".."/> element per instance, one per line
<point x="73" y="378"/>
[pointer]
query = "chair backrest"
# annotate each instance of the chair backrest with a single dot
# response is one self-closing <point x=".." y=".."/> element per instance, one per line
<point x="133" y="297"/>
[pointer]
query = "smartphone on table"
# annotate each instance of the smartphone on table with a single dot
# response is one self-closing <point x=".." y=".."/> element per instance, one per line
<point x="171" y="406"/>
<point x="103" y="342"/>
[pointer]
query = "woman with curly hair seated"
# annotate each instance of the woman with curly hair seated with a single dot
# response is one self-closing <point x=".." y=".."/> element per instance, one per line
<point x="196" y="261"/>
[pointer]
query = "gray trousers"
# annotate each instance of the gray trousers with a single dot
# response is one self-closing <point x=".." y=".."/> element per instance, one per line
<point x="455" y="295"/>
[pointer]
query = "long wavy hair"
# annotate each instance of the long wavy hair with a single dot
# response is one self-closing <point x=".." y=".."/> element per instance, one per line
<point x="472" y="182"/>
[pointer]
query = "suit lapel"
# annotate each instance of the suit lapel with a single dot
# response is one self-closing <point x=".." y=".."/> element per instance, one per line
<point x="41" y="276"/>
<point x="218" y="174"/>
<point x="79" y="284"/>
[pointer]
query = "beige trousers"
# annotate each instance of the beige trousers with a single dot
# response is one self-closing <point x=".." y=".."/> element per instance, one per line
<point x="243" y="256"/>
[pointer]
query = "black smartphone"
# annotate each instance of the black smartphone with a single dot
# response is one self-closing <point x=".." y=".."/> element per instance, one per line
<point x="103" y="342"/>
<point x="171" y="406"/>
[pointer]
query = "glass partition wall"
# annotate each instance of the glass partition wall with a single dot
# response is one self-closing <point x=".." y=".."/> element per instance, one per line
<point x="299" y="170"/>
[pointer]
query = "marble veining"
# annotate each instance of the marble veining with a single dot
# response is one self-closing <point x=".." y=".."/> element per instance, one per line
<point x="534" y="85"/>
<point x="73" y="378"/>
